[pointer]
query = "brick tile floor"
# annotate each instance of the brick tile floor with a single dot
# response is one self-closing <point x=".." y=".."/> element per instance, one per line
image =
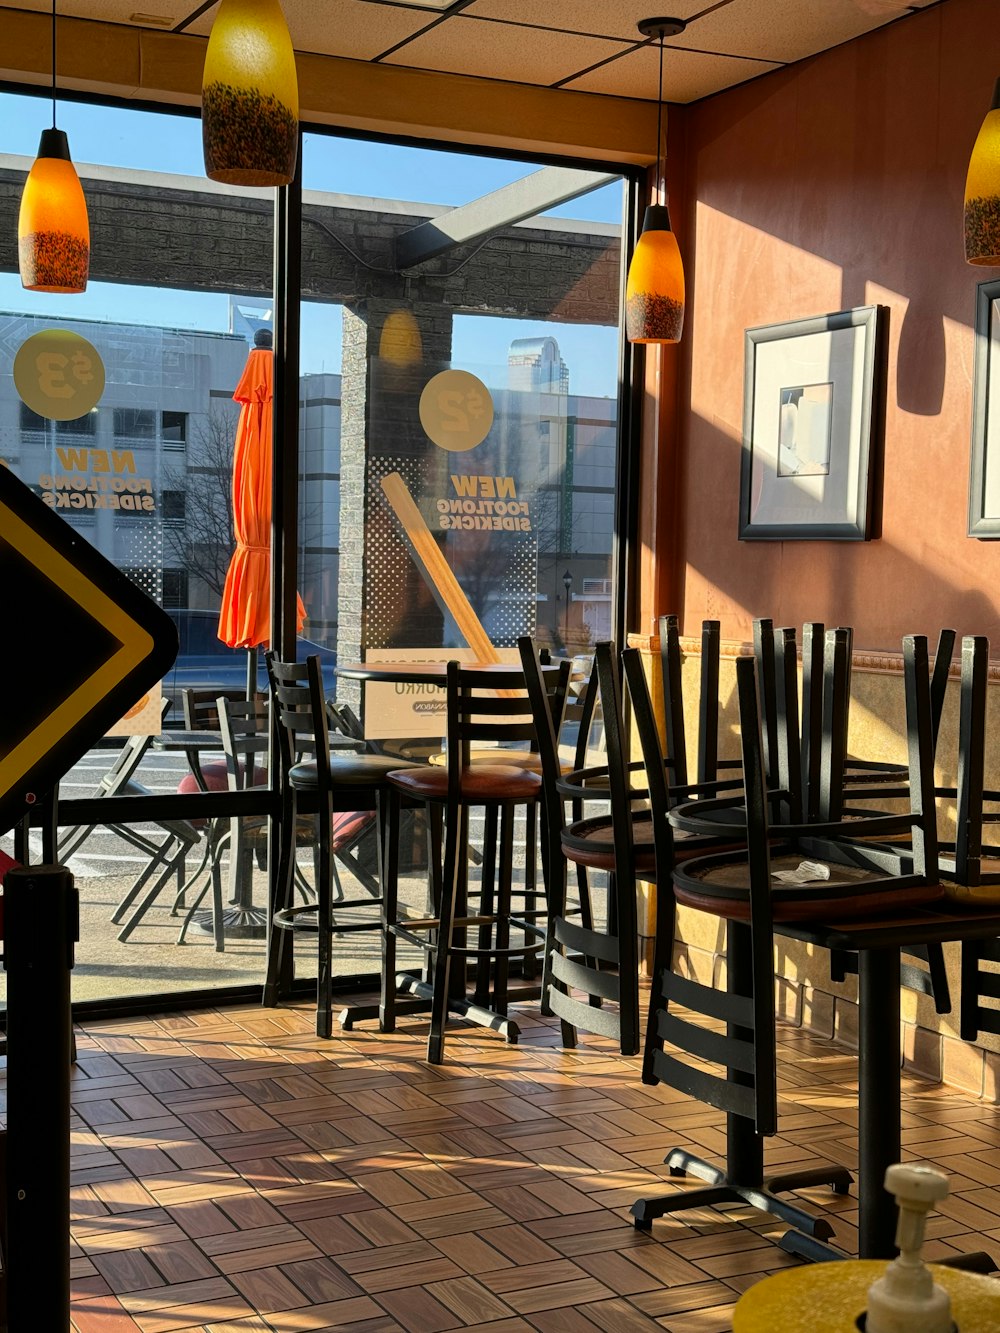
<point x="233" y="1174"/>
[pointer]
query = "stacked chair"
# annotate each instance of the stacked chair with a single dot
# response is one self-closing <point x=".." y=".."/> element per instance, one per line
<point x="971" y="866"/>
<point x="589" y="969"/>
<point x="874" y="860"/>
<point x="582" y="961"/>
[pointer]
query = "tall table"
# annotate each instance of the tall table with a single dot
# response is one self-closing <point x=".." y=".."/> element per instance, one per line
<point x="878" y="941"/>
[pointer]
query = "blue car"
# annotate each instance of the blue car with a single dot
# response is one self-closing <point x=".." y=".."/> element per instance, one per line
<point x="204" y="662"/>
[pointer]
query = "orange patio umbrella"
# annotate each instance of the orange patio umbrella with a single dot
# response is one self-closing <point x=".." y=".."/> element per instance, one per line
<point x="245" y="615"/>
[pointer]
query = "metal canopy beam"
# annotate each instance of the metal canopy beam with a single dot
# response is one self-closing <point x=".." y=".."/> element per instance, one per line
<point x="512" y="203"/>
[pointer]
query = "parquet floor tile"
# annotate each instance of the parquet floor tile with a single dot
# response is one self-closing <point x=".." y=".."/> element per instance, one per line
<point x="234" y="1174"/>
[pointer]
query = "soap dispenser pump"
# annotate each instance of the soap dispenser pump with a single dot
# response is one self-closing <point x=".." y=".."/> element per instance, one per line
<point x="906" y="1299"/>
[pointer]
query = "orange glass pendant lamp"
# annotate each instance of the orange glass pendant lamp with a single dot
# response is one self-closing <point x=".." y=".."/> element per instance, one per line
<point x="654" y="292"/>
<point x="982" y="191"/>
<point x="53" y="231"/>
<point x="250" y="96"/>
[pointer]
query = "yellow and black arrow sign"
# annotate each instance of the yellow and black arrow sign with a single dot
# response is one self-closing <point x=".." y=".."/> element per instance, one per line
<point x="81" y="644"/>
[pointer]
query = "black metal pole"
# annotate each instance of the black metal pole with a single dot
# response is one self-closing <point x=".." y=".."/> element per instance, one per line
<point x="285" y="440"/>
<point x="284" y="507"/>
<point x="38" y="963"/>
<point x="744" y="1146"/>
<point x="879" y="1133"/>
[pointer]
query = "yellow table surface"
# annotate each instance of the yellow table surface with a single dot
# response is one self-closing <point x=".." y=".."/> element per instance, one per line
<point x="829" y="1297"/>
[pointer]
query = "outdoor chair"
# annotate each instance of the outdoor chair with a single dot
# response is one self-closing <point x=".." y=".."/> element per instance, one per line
<point x="243" y="725"/>
<point x="166" y="857"/>
<point x="201" y="713"/>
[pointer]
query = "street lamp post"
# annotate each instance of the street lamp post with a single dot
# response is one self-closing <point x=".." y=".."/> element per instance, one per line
<point x="567" y="584"/>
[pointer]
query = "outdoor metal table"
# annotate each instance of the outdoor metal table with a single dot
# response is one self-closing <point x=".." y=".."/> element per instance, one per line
<point x="189" y="743"/>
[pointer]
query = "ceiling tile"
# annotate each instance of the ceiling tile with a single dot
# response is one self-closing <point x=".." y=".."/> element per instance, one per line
<point x="348" y="28"/>
<point x="504" y="51"/>
<point x="786" y="30"/>
<point x="602" y="18"/>
<point x="114" y="11"/>
<point x="687" y="75"/>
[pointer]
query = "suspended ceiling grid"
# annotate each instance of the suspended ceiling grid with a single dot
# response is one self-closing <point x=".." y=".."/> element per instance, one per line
<point x="589" y="46"/>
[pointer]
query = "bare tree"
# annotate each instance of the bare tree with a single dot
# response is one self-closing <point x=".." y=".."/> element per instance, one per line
<point x="203" y="542"/>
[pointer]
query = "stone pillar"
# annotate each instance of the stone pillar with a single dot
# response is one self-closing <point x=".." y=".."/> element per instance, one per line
<point x="379" y="430"/>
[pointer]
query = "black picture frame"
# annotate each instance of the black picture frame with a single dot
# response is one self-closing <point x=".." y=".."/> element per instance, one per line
<point x="984" y="460"/>
<point x="813" y="420"/>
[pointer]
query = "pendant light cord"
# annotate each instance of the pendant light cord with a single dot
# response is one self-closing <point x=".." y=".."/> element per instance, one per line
<point x="659" y="113"/>
<point x="53" y="64"/>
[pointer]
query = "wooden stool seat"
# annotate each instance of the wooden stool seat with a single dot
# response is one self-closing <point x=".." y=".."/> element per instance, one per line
<point x="721" y="887"/>
<point x="479" y="782"/>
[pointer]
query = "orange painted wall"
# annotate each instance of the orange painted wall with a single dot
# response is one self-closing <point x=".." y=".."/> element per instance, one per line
<point x="836" y="183"/>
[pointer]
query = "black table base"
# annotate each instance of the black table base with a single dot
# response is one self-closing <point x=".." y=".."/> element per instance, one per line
<point x="743" y="1181"/>
<point x="407" y="983"/>
<point x="238" y="923"/>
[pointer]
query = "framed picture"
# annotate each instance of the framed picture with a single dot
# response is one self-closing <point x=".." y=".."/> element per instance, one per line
<point x="813" y="415"/>
<point x="984" y="474"/>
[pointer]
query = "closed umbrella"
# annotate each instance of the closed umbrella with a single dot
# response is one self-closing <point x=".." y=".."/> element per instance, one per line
<point x="245" y="615"/>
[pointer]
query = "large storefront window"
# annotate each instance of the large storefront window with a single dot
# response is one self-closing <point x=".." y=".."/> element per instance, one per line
<point x="459" y="387"/>
<point x="519" y="316"/>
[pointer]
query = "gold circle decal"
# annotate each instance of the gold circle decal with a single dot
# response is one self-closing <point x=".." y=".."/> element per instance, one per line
<point x="59" y="374"/>
<point x="456" y="410"/>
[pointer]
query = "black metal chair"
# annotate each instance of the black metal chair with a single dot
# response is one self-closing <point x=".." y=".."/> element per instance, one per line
<point x="971" y="866"/>
<point x="864" y="873"/>
<point x="314" y="779"/>
<point x="482" y="708"/>
<point x="579" y="958"/>
<point x="711" y="768"/>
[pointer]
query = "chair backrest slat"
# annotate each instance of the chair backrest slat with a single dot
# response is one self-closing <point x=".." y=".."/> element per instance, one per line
<point x="971" y="760"/>
<point x="786" y="707"/>
<point x="813" y="640"/>
<point x="673" y="698"/>
<point x="708" y="702"/>
<point x="243" y="725"/>
<point x="620" y="794"/>
<point x="836" y="697"/>
<point x="763" y="649"/>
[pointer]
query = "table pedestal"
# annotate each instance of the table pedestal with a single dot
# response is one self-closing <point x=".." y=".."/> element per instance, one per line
<point x="743" y="1181"/>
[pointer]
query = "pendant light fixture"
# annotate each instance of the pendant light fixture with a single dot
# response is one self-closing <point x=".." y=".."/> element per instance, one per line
<point x="400" y="343"/>
<point x="250" y="96"/>
<point x="53" y="232"/>
<point x="982" y="191"/>
<point x="654" y="293"/>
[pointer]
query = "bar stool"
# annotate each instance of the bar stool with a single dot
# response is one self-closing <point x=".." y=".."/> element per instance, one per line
<point x="312" y="778"/>
<point x="483" y="707"/>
